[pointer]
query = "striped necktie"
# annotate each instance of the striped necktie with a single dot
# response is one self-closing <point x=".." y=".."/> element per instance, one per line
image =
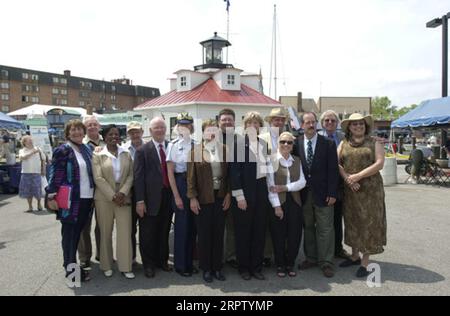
<point x="309" y="157"/>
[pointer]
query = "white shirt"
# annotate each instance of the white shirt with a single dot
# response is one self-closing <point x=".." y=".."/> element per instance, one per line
<point x="114" y="160"/>
<point x="33" y="163"/>
<point x="291" y="186"/>
<point x="274" y="137"/>
<point x="313" y="141"/>
<point x="86" y="192"/>
<point x="157" y="148"/>
<point x="178" y="153"/>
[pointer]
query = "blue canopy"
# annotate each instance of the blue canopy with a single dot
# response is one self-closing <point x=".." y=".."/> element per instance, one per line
<point x="8" y="122"/>
<point x="429" y="113"/>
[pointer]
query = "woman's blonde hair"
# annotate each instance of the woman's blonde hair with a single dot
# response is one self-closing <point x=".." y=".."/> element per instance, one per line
<point x="253" y="116"/>
<point x="288" y="134"/>
<point x="24" y="139"/>
<point x="209" y="122"/>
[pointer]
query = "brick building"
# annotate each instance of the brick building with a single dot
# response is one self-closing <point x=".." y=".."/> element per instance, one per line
<point x="21" y="87"/>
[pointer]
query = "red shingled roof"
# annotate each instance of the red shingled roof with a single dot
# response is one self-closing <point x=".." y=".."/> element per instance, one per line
<point x="209" y="91"/>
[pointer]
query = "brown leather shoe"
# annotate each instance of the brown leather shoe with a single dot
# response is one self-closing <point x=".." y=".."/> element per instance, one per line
<point x="328" y="271"/>
<point x="307" y="265"/>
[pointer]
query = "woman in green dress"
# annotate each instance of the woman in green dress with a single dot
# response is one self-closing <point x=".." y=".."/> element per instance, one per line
<point x="360" y="160"/>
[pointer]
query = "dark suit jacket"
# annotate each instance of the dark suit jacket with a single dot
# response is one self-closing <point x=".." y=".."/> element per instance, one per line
<point x="243" y="170"/>
<point x="148" y="181"/>
<point x="323" y="177"/>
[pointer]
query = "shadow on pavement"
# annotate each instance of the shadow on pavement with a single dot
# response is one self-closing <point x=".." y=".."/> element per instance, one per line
<point x="306" y="280"/>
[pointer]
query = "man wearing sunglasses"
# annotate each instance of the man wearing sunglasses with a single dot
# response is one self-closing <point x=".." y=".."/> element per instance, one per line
<point x="318" y="155"/>
<point x="330" y="121"/>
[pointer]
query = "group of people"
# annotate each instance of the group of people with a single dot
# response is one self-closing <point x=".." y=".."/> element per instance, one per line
<point x="260" y="190"/>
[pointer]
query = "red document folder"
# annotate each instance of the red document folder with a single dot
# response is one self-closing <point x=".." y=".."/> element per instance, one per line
<point x="63" y="197"/>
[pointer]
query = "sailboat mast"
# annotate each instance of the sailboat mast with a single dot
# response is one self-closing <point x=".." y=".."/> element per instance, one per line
<point x="275" y="48"/>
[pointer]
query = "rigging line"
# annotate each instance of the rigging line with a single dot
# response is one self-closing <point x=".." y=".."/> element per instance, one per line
<point x="275" y="49"/>
<point x="282" y="58"/>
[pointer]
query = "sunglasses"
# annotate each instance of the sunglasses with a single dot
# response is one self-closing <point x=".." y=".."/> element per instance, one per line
<point x="357" y="123"/>
<point x="284" y="142"/>
<point x="330" y="121"/>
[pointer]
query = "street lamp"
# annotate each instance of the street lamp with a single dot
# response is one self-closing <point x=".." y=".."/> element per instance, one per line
<point x="433" y="24"/>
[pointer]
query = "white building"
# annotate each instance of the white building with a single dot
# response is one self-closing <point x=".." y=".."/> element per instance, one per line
<point x="209" y="88"/>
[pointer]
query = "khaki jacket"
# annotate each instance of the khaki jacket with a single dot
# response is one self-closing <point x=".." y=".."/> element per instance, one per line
<point x="102" y="169"/>
<point x="200" y="177"/>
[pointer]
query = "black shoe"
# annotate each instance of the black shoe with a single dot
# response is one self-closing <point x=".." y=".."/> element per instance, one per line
<point x="362" y="272"/>
<point x="165" y="267"/>
<point x="350" y="262"/>
<point x="85" y="277"/>
<point x="342" y="254"/>
<point x="246" y="276"/>
<point x="86" y="265"/>
<point x="267" y="262"/>
<point x="207" y="277"/>
<point x="258" y="276"/>
<point x="233" y="263"/>
<point x="183" y="273"/>
<point x="194" y="270"/>
<point x="149" y="272"/>
<point x="219" y="276"/>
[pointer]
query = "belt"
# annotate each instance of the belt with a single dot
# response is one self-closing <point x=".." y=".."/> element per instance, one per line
<point x="181" y="174"/>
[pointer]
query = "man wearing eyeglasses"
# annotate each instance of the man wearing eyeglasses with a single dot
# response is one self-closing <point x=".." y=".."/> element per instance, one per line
<point x="318" y="155"/>
<point x="330" y="121"/>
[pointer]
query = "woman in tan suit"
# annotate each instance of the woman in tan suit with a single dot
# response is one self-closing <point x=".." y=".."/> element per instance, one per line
<point x="113" y="176"/>
<point x="209" y="193"/>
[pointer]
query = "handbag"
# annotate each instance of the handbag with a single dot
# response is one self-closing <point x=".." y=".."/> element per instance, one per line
<point x="62" y="200"/>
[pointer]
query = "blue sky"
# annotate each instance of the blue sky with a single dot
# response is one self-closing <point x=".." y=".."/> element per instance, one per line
<point x="328" y="48"/>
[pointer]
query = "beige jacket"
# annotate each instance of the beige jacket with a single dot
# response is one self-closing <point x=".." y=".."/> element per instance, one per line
<point x="102" y="169"/>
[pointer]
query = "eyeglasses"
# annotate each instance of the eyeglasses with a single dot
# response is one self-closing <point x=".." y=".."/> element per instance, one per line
<point x="284" y="142"/>
<point x="330" y="121"/>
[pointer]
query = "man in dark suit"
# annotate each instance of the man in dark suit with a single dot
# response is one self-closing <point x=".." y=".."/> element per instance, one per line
<point x="153" y="196"/>
<point x="330" y="121"/>
<point x="320" y="166"/>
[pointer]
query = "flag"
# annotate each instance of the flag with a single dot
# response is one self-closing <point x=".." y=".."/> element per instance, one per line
<point x="228" y="4"/>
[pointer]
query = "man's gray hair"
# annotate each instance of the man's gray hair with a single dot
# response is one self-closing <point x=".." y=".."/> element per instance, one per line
<point x="90" y="117"/>
<point x="329" y="112"/>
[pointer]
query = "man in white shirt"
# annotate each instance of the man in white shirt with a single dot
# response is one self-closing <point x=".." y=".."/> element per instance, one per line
<point x="153" y="196"/>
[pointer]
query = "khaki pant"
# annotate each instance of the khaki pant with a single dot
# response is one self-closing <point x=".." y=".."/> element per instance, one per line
<point x="85" y="243"/>
<point x="319" y="232"/>
<point x="106" y="213"/>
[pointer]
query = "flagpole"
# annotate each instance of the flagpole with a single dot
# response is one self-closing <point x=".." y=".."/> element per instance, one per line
<point x="228" y="28"/>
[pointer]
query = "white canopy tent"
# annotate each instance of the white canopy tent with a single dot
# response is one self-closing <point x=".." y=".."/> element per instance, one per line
<point x="42" y="109"/>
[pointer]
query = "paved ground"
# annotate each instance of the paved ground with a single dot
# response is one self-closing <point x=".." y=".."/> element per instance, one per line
<point x="415" y="262"/>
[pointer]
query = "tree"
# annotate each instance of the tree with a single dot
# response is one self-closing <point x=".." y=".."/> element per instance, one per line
<point x="382" y="109"/>
<point x="406" y="109"/>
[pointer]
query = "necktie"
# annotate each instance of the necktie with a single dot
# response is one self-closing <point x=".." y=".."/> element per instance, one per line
<point x="162" y="154"/>
<point x="309" y="157"/>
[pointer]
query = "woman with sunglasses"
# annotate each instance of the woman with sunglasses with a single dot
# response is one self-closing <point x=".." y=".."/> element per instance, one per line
<point x="285" y="182"/>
